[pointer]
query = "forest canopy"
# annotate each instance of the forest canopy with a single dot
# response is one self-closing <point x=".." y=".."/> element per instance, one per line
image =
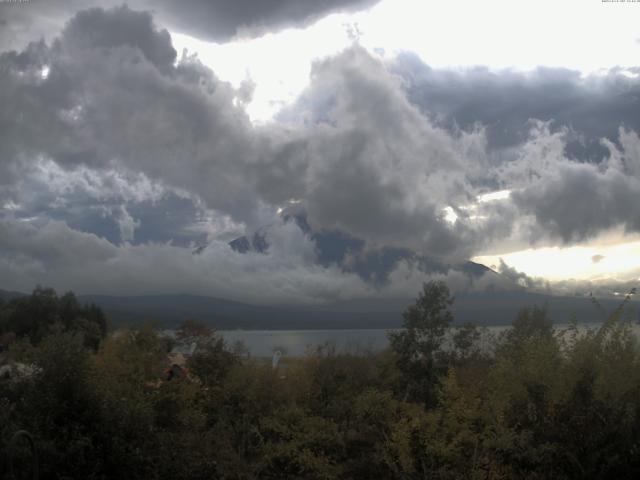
<point x="441" y="402"/>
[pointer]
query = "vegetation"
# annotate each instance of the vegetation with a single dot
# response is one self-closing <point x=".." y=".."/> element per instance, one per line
<point x="533" y="403"/>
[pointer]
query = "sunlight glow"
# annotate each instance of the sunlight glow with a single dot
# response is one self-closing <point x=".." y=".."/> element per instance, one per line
<point x="450" y="215"/>
<point x="498" y="195"/>
<point x="279" y="64"/>
<point x="578" y="262"/>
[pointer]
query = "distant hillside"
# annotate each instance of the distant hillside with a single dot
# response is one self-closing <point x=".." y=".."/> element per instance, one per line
<point x="169" y="310"/>
<point x="373" y="265"/>
<point x="8" y="295"/>
<point x="498" y="307"/>
<point x="482" y="308"/>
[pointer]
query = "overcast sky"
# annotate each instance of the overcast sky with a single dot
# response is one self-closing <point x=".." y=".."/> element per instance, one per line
<point x="361" y="147"/>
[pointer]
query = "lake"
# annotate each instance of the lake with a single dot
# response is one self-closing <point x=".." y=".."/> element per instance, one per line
<point x="262" y="343"/>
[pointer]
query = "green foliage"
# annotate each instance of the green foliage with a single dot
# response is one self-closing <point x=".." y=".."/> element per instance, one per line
<point x="298" y="445"/>
<point x="531" y="324"/>
<point x="39" y="314"/>
<point x="212" y="361"/>
<point x="418" y="345"/>
<point x="467" y="342"/>
<point x="58" y="403"/>
<point x="426" y="322"/>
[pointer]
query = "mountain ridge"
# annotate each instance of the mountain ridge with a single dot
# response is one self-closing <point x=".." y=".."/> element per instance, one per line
<point x="484" y="308"/>
<point x="488" y="307"/>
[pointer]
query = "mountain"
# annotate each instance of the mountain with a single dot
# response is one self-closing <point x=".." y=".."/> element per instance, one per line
<point x="373" y="265"/>
<point x="258" y="242"/>
<point x="491" y="307"/>
<point x="169" y="310"/>
<point x="488" y="307"/>
<point x="497" y="307"/>
<point x="7" y="295"/>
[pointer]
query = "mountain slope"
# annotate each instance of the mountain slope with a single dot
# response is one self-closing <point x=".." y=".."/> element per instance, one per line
<point x="482" y="308"/>
<point x="9" y="295"/>
<point x="372" y="264"/>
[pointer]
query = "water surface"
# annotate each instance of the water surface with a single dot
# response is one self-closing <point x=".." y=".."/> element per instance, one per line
<point x="263" y="343"/>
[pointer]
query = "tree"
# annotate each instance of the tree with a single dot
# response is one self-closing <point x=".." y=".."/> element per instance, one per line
<point x="57" y="404"/>
<point x="418" y="345"/>
<point x="531" y="325"/>
<point x="212" y="362"/>
<point x="466" y="341"/>
<point x="43" y="312"/>
<point x="33" y="316"/>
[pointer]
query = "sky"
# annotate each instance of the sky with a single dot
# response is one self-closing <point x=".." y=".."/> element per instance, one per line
<point x="353" y="148"/>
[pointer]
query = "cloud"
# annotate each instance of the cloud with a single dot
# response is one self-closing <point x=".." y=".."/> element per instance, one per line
<point x="117" y="102"/>
<point x="91" y="200"/>
<point x="94" y="29"/>
<point x="221" y="20"/>
<point x="52" y="244"/>
<point x="592" y="106"/>
<point x="53" y="254"/>
<point x="127" y="224"/>
<point x="377" y="168"/>
<point x="604" y="287"/>
<point x="520" y="278"/>
<point x="114" y="100"/>
<point x="570" y="200"/>
<point x="212" y="20"/>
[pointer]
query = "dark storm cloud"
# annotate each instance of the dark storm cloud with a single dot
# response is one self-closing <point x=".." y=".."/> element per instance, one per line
<point x="594" y="106"/>
<point x="94" y="30"/>
<point x="213" y="20"/>
<point x="221" y="20"/>
<point x="113" y="96"/>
